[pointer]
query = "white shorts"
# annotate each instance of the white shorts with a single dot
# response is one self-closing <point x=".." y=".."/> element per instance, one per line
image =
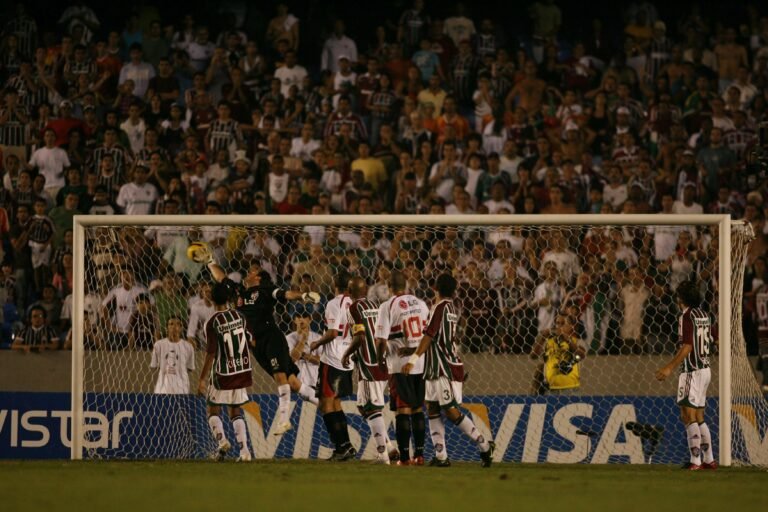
<point x="370" y="395"/>
<point x="227" y="396"/>
<point x="445" y="392"/>
<point x="692" y="388"/>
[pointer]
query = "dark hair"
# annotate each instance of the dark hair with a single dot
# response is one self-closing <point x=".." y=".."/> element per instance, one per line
<point x="38" y="308"/>
<point x="688" y="293"/>
<point x="266" y="278"/>
<point x="221" y="293"/>
<point x="342" y="280"/>
<point x="397" y="281"/>
<point x="446" y="285"/>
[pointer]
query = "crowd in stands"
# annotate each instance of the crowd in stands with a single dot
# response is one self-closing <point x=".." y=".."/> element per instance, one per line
<point x="444" y="111"/>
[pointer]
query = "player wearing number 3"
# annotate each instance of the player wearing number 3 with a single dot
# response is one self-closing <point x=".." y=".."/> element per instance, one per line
<point x="227" y="370"/>
<point x="444" y="375"/>
<point x="695" y="334"/>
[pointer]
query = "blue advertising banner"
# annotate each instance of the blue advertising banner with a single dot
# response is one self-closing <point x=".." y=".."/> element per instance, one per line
<point x="558" y="429"/>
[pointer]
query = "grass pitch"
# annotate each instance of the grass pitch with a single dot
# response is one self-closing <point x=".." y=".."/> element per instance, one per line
<point x="360" y="486"/>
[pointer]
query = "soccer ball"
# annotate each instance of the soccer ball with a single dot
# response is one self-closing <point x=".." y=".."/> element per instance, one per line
<point x="199" y="252"/>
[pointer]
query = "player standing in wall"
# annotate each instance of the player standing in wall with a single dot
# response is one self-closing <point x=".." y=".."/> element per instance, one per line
<point x="444" y="374"/>
<point x="335" y="379"/>
<point x="695" y="335"/>
<point x="368" y="353"/>
<point x="227" y="370"/>
<point x="400" y="323"/>
<point x="256" y="298"/>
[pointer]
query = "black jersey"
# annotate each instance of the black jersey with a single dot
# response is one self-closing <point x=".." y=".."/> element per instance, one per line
<point x="257" y="304"/>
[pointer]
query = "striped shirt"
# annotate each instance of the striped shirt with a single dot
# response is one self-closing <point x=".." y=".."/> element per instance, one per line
<point x="362" y="317"/>
<point x="442" y="356"/>
<point x="25" y="29"/>
<point x="112" y="183"/>
<point x="35" y="337"/>
<point x="739" y="141"/>
<point x="13" y="132"/>
<point x="40" y="229"/>
<point x="463" y="70"/>
<point x="383" y="99"/>
<point x="119" y="157"/>
<point x="227" y="337"/>
<point x="695" y="329"/>
<point x="224" y="133"/>
<point x="358" y="131"/>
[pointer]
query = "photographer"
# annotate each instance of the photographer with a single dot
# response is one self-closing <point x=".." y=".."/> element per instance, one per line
<point x="560" y="373"/>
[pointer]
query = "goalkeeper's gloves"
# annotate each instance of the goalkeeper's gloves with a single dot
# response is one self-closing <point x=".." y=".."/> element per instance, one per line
<point x="312" y="297"/>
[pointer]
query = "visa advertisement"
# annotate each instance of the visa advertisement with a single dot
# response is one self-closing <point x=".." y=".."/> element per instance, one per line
<point x="555" y="429"/>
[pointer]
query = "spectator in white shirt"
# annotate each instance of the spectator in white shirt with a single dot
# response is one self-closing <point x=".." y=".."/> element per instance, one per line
<point x="290" y="74"/>
<point x="139" y="196"/>
<point x="336" y="46"/>
<point x="303" y="147"/>
<point x="137" y="71"/>
<point x="688" y="204"/>
<point x="51" y="162"/>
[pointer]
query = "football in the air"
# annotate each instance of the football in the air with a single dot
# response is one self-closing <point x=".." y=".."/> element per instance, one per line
<point x="198" y="252"/>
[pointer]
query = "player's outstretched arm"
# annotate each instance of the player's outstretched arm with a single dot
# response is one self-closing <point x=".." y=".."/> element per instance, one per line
<point x="311" y="297"/>
<point x="326" y="338"/>
<point x="424" y="344"/>
<point x="216" y="271"/>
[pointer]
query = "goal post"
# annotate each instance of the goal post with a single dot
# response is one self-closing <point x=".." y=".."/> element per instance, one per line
<point x="507" y="408"/>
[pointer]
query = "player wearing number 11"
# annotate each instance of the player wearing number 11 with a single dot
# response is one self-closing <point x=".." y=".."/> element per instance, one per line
<point x="695" y="333"/>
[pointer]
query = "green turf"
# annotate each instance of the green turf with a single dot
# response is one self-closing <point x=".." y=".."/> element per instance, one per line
<point x="359" y="486"/>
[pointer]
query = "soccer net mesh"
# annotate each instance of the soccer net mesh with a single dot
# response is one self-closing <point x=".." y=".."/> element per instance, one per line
<point x="616" y="282"/>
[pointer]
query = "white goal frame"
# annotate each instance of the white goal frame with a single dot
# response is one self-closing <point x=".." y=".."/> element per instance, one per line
<point x="80" y="222"/>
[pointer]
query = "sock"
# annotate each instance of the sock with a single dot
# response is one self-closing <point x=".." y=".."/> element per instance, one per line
<point x="379" y="433"/>
<point x="437" y="433"/>
<point x="330" y="426"/>
<point x="706" y="443"/>
<point x="694" y="442"/>
<point x="238" y="423"/>
<point x="403" y="435"/>
<point x="340" y="424"/>
<point x="468" y="427"/>
<point x="419" y="432"/>
<point x="217" y="427"/>
<point x="284" y="402"/>
<point x="388" y="443"/>
<point x="308" y="394"/>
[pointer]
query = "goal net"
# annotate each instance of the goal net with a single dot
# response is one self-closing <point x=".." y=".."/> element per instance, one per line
<point x="610" y="278"/>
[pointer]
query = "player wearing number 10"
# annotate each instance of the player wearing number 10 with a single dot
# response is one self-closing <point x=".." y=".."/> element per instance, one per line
<point x="400" y="323"/>
<point x="695" y="333"/>
<point x="227" y="370"/>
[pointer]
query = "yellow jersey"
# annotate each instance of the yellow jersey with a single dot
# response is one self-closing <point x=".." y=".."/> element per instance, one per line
<point x="554" y="352"/>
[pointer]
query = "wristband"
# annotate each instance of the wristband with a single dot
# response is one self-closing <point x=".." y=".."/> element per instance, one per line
<point x="413" y="360"/>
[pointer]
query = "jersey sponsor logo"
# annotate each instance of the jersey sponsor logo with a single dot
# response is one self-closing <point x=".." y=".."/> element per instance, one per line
<point x="403" y="304"/>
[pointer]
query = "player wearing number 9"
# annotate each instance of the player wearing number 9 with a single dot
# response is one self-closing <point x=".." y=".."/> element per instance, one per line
<point x="695" y="337"/>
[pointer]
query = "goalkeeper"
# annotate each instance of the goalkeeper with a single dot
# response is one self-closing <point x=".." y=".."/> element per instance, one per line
<point x="560" y="374"/>
<point x="256" y="298"/>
